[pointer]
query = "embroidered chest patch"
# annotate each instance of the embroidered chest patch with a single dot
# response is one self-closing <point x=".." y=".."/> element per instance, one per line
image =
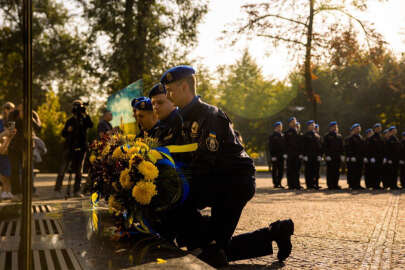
<point x="212" y="142"/>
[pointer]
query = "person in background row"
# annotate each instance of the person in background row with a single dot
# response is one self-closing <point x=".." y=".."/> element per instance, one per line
<point x="318" y="161"/>
<point x="312" y="151"/>
<point x="6" y="136"/>
<point x="16" y="148"/>
<point x="385" y="166"/>
<point x="375" y="154"/>
<point x="75" y="147"/>
<point x="368" y="163"/>
<point x="139" y="131"/>
<point x="354" y="146"/>
<point x="104" y="127"/>
<point x="7" y="108"/>
<point x="148" y="120"/>
<point x="333" y="148"/>
<point x="402" y="161"/>
<point x="170" y="121"/>
<point x="393" y="154"/>
<point x="277" y="150"/>
<point x="293" y="153"/>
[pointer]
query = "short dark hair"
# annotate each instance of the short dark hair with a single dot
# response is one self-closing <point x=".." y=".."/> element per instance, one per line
<point x="105" y="111"/>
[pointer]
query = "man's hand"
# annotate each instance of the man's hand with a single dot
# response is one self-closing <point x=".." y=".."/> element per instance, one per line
<point x="285" y="156"/>
<point x="401" y="162"/>
<point x="70" y="129"/>
<point x="372" y="160"/>
<point x="328" y="158"/>
<point x="353" y="159"/>
<point x="305" y="158"/>
<point x="319" y="158"/>
<point x="274" y="159"/>
<point x="365" y="160"/>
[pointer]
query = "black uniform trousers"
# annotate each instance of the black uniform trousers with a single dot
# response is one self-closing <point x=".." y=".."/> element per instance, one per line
<point x="375" y="173"/>
<point x="73" y="160"/>
<point x="311" y="172"/>
<point x="277" y="171"/>
<point x="354" y="172"/>
<point x="332" y="172"/>
<point x="197" y="231"/>
<point x="392" y="174"/>
<point x="317" y="170"/>
<point x="368" y="170"/>
<point x="293" y="171"/>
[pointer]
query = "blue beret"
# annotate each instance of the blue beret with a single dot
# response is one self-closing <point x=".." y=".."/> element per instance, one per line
<point x="403" y="133"/>
<point x="310" y="122"/>
<point x="354" y="126"/>
<point x="377" y="125"/>
<point x="368" y="131"/>
<point x="392" y="127"/>
<point x="136" y="100"/>
<point x="276" y="124"/>
<point x="176" y="73"/>
<point x="333" y="123"/>
<point x="144" y="105"/>
<point x="157" y="89"/>
<point x="316" y="126"/>
<point x="291" y="118"/>
<point x="385" y="131"/>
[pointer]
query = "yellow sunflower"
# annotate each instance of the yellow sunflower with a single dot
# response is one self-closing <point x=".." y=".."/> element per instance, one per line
<point x="143" y="192"/>
<point x="148" y="170"/>
<point x="92" y="158"/>
<point x="135" y="159"/>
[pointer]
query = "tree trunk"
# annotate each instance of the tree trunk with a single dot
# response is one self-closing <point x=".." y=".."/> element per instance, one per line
<point x="307" y="67"/>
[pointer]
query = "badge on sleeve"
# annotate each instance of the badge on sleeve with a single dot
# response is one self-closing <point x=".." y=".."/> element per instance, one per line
<point x="194" y="129"/>
<point x="212" y="142"/>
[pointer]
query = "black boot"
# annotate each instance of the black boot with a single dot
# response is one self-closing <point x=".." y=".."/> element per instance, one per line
<point x="281" y="232"/>
<point x="214" y="256"/>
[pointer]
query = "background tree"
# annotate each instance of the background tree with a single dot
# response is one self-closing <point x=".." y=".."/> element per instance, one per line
<point x="57" y="52"/>
<point x="144" y="36"/>
<point x="306" y="27"/>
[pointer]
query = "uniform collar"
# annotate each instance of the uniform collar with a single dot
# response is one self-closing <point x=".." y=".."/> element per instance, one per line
<point x="186" y="109"/>
<point x="170" y="116"/>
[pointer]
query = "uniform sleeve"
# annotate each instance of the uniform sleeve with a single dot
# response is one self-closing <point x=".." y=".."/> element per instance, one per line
<point x="88" y="122"/>
<point x="65" y="132"/>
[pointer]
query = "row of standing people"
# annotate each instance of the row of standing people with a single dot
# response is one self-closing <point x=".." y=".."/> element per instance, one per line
<point x="380" y="155"/>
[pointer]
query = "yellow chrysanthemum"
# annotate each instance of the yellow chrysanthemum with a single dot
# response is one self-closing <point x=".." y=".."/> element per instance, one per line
<point x="120" y="152"/>
<point x="143" y="192"/>
<point x="154" y="156"/>
<point x="148" y="170"/>
<point x="125" y="179"/>
<point x="92" y="158"/>
<point x="135" y="159"/>
<point x="133" y="150"/>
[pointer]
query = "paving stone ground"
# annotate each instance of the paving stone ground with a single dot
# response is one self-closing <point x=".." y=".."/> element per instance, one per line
<point x="333" y="229"/>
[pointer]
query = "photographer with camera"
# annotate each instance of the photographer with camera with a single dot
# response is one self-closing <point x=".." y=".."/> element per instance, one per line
<point x="75" y="147"/>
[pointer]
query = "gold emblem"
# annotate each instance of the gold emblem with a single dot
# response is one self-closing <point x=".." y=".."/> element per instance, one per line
<point x="194" y="129"/>
<point x="169" y="76"/>
<point x="212" y="142"/>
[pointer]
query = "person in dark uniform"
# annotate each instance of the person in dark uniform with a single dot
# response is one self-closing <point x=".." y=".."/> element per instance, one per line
<point x="393" y="157"/>
<point x="318" y="161"/>
<point x="143" y="112"/>
<point x="334" y="154"/>
<point x="385" y="165"/>
<point x="138" y="131"/>
<point x="402" y="161"/>
<point x="354" y="145"/>
<point x="277" y="150"/>
<point x="223" y="178"/>
<point x="293" y="153"/>
<point x="312" y="150"/>
<point x="368" y="165"/>
<point x="170" y="121"/>
<point x="375" y="150"/>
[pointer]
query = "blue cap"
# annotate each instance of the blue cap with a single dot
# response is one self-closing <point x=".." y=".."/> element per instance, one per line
<point x="144" y="105"/>
<point x="157" y="89"/>
<point x="377" y="125"/>
<point x="176" y="73"/>
<point x="333" y="123"/>
<point x="392" y="127"/>
<point x="368" y="131"/>
<point x="316" y="126"/>
<point x="276" y="124"/>
<point x="291" y="118"/>
<point x="354" y="126"/>
<point x="136" y="100"/>
<point x="310" y="122"/>
<point x="385" y="131"/>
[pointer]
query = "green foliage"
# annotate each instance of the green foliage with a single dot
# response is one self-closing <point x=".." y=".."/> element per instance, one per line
<point x="57" y="52"/>
<point x="144" y="36"/>
<point x="53" y="120"/>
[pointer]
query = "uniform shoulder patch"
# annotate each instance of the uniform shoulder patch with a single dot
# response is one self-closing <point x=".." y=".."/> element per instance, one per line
<point x="212" y="142"/>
